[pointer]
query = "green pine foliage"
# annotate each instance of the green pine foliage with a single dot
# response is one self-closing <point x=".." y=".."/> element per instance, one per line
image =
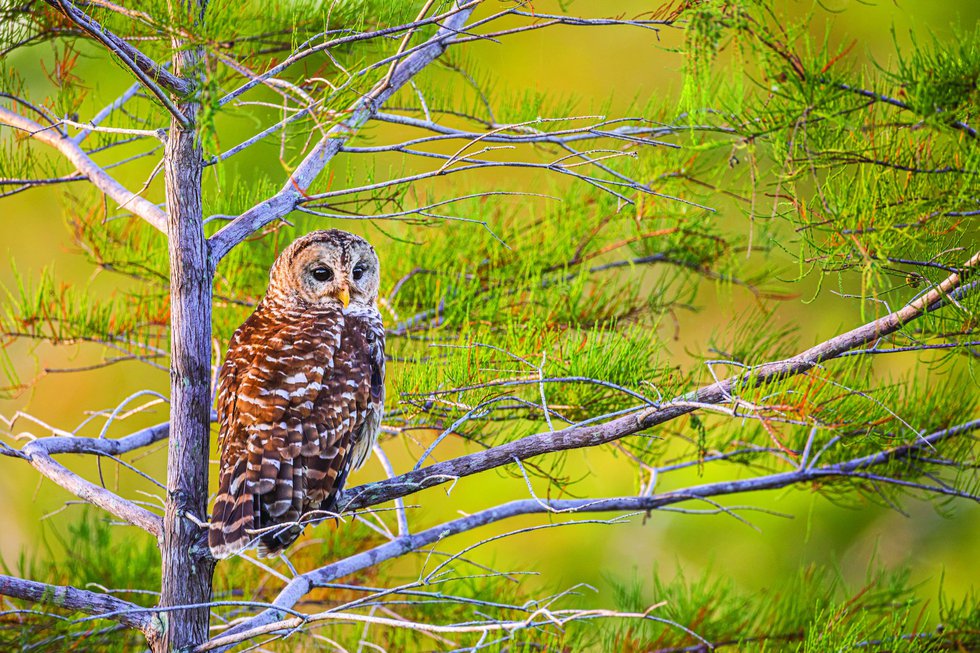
<point x="815" y="611"/>
<point x="806" y="179"/>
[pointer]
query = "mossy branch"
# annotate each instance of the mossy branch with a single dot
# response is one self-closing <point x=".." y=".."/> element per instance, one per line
<point x="78" y="600"/>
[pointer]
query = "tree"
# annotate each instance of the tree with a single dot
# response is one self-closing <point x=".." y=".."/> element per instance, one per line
<point x="529" y="330"/>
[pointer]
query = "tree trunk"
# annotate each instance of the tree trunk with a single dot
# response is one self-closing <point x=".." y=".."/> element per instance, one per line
<point x="187" y="566"/>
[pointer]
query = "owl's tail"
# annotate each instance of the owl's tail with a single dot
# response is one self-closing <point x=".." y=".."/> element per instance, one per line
<point x="233" y="516"/>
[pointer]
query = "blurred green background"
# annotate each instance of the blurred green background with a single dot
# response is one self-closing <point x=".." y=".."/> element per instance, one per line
<point x="937" y="547"/>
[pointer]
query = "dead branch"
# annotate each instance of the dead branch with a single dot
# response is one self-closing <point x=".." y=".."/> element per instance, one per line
<point x="807" y="472"/>
<point x="35" y="454"/>
<point x="577" y="437"/>
<point x="145" y="69"/>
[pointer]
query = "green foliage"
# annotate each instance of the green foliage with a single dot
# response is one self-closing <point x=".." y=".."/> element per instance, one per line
<point x="941" y="81"/>
<point x="814" y="611"/>
<point x="62" y="313"/>
<point x="805" y="183"/>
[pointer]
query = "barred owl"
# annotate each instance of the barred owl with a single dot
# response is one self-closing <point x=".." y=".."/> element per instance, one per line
<point x="300" y="394"/>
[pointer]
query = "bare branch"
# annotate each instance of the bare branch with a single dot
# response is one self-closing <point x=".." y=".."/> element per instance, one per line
<point x="326" y="46"/>
<point x="399" y="503"/>
<point x="27" y="184"/>
<point x="286" y="200"/>
<point x="525" y="134"/>
<point x="86" y="166"/>
<point x="538" y="618"/>
<point x="580" y="437"/>
<point x="103" y="446"/>
<point x="542" y="21"/>
<point x="39" y="453"/>
<point x="303" y="584"/>
<point x="877" y="97"/>
<point x="41" y="111"/>
<point x="302" y="113"/>
<point x="88" y="127"/>
<point x="36" y="454"/>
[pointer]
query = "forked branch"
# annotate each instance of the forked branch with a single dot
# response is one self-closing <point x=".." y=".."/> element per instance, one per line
<point x="588" y="436"/>
<point x="111" y="502"/>
<point x="292" y="193"/>
<point x="145" y="69"/>
<point x="280" y="616"/>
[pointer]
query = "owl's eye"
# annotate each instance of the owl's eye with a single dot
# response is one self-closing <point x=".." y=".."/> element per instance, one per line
<point x="358" y="272"/>
<point x="322" y="274"/>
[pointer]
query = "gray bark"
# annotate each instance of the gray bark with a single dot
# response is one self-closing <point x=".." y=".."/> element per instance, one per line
<point x="187" y="564"/>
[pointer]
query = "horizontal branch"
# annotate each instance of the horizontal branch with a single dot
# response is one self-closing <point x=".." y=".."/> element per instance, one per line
<point x="286" y="200"/>
<point x="39" y="453"/>
<point x="27" y="184"/>
<point x="527" y="135"/>
<point x="86" y="166"/>
<point x="539" y="618"/>
<point x="878" y="97"/>
<point x="577" y="437"/>
<point x="103" y="446"/>
<point x="610" y="186"/>
<point x="72" y="598"/>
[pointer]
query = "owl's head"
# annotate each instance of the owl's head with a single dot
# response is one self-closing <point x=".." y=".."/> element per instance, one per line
<point x="327" y="267"/>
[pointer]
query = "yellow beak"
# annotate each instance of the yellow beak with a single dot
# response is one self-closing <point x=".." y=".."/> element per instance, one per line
<point x="344" y="296"/>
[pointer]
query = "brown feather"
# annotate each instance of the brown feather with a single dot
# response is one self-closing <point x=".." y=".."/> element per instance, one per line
<point x="300" y="397"/>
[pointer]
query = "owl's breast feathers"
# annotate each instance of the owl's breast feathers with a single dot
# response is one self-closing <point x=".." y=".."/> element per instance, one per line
<point x="300" y="400"/>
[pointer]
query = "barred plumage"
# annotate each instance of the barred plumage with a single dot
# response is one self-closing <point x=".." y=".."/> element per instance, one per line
<point x="300" y="394"/>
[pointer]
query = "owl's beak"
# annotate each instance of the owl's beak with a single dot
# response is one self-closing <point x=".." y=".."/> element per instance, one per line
<point x="344" y="295"/>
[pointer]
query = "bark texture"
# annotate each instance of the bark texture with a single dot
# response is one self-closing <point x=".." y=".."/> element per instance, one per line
<point x="187" y="564"/>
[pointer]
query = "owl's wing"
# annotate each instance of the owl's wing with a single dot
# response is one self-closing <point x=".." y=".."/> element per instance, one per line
<point x="374" y="361"/>
<point x="300" y="404"/>
<point x="268" y="389"/>
<point x="351" y="404"/>
<point x="233" y="511"/>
